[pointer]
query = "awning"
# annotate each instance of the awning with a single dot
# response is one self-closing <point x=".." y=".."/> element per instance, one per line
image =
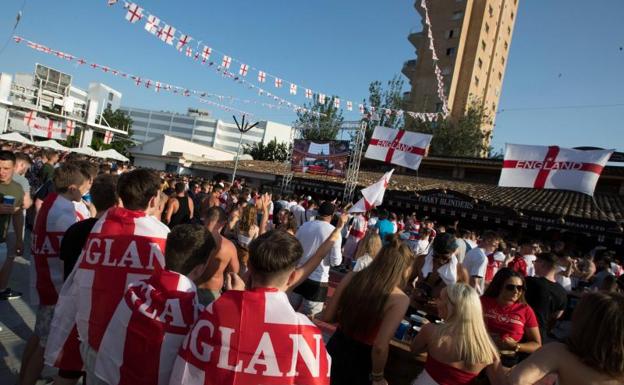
<point x="112" y="154"/>
<point x="15" y="137"/>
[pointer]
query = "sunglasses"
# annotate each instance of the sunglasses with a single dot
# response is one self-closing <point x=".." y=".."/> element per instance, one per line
<point x="511" y="287"/>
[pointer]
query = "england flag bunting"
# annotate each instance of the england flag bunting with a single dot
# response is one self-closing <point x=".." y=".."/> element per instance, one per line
<point x="261" y="76"/>
<point x="206" y="53"/>
<point x="336" y="102"/>
<point x="321" y="98"/>
<point x="167" y="34"/>
<point x="148" y="326"/>
<point x="372" y="196"/>
<point x="152" y="25"/>
<point x="252" y="337"/>
<point x="349" y="106"/>
<point x="225" y="63"/>
<point x="552" y="167"/>
<point x="293" y="89"/>
<point x="399" y="147"/>
<point x="183" y="40"/>
<point x="135" y="13"/>
<point x="244" y="68"/>
<point x="69" y="127"/>
<point x="30" y="118"/>
<point x="308" y="93"/>
<point x="123" y="247"/>
<point x="278" y="83"/>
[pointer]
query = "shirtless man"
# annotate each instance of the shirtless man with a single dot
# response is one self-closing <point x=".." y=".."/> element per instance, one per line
<point x="225" y="258"/>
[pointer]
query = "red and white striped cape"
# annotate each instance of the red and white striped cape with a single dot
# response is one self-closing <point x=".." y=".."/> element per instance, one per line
<point x="55" y="216"/>
<point x="143" y="337"/>
<point x="252" y="337"/>
<point x="124" y="246"/>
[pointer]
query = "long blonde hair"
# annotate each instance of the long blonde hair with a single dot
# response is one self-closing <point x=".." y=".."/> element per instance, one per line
<point x="370" y="244"/>
<point x="248" y="219"/>
<point x="465" y="325"/>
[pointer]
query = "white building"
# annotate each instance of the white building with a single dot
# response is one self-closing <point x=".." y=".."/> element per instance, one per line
<point x="177" y="155"/>
<point x="198" y="127"/>
<point x="50" y="95"/>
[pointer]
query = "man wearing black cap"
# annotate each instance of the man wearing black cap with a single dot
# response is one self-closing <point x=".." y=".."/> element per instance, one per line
<point x="313" y="291"/>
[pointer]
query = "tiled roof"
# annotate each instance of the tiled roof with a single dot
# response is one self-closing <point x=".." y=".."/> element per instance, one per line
<point x="603" y="207"/>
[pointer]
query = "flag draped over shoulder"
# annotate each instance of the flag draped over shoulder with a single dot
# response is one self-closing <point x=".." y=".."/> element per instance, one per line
<point x="55" y="216"/>
<point x="148" y="326"/>
<point x="124" y="246"/>
<point x="372" y="196"/>
<point x="552" y="167"/>
<point x="252" y="337"/>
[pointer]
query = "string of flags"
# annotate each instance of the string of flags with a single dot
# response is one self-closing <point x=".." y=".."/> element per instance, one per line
<point x="437" y="71"/>
<point x="240" y="71"/>
<point x="138" y="80"/>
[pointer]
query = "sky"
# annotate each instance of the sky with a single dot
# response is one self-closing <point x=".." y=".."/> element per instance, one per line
<point x="564" y="53"/>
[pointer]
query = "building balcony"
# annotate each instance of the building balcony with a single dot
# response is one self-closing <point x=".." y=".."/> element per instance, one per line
<point x="416" y="38"/>
<point x="409" y="68"/>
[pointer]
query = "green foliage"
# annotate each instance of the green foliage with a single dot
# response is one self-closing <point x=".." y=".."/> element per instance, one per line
<point x="461" y="138"/>
<point x="314" y="127"/>
<point x="273" y="151"/>
<point x="390" y="96"/>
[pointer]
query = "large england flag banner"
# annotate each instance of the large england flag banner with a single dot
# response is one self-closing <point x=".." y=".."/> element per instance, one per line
<point x="252" y="337"/>
<point x="148" y="326"/>
<point x="400" y="147"/>
<point x="372" y="196"/>
<point x="124" y="246"/>
<point x="552" y="167"/>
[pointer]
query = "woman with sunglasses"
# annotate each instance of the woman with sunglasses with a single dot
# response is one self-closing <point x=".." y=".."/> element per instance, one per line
<point x="509" y="320"/>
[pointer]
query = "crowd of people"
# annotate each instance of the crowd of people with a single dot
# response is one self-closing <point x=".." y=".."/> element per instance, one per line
<point x="141" y="277"/>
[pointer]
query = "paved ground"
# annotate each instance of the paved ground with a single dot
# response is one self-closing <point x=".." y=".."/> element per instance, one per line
<point x="17" y="320"/>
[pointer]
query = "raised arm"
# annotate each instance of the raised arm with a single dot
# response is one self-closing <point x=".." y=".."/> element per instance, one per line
<point x="302" y="272"/>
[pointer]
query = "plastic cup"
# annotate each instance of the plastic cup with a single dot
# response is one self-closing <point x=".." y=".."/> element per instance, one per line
<point x="8" y="200"/>
<point x="401" y="330"/>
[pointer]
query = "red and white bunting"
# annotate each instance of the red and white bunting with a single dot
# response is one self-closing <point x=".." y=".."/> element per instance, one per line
<point x="206" y="51"/>
<point x="293" y="89"/>
<point x="167" y="34"/>
<point x="81" y="61"/>
<point x="189" y="52"/>
<point x="349" y="106"/>
<point x="361" y="108"/>
<point x="321" y="98"/>
<point x="69" y="127"/>
<point x="137" y="80"/>
<point x="398" y="147"/>
<point x="308" y="93"/>
<point x="278" y="83"/>
<point x="244" y="68"/>
<point x="552" y="167"/>
<point x="152" y="25"/>
<point x="112" y="2"/>
<point x="135" y="13"/>
<point x="148" y="83"/>
<point x="157" y="87"/>
<point x="108" y="137"/>
<point x="336" y="103"/>
<point x="30" y="118"/>
<point x="225" y="63"/>
<point x="183" y="40"/>
<point x="261" y="76"/>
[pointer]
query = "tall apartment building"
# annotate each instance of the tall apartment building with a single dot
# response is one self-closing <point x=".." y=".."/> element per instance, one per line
<point x="472" y="40"/>
<point x="198" y="127"/>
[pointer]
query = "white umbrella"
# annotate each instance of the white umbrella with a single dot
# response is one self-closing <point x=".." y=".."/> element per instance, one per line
<point x="112" y="154"/>
<point x="53" y="144"/>
<point x="15" y="137"/>
<point x="88" y="151"/>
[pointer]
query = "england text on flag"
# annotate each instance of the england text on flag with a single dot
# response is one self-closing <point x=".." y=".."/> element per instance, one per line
<point x="398" y="147"/>
<point x="552" y="167"/>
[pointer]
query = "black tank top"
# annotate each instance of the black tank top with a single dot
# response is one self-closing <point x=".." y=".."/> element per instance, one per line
<point x="183" y="215"/>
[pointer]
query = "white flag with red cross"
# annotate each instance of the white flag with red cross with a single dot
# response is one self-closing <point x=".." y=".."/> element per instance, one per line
<point x="108" y="137"/>
<point x="162" y="308"/>
<point x="183" y="41"/>
<point x="69" y="127"/>
<point x="400" y="147"/>
<point x="225" y="63"/>
<point x="278" y="83"/>
<point x="252" y="337"/>
<point x="308" y="93"/>
<point x="372" y="196"/>
<point x="244" y="68"/>
<point x="261" y="76"/>
<point x="552" y="167"/>
<point x="135" y="13"/>
<point x="152" y="25"/>
<point x="206" y="53"/>
<point x="167" y="34"/>
<point x="349" y="106"/>
<point x="30" y="118"/>
<point x="293" y="89"/>
<point x="336" y="103"/>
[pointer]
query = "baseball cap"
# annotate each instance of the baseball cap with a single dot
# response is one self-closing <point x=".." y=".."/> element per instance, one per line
<point x="326" y="209"/>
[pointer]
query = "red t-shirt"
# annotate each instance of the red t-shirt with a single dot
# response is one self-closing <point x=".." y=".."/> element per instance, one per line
<point x="519" y="265"/>
<point x="511" y="320"/>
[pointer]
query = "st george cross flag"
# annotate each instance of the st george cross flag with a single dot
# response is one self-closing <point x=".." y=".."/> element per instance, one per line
<point x="149" y="326"/>
<point x="372" y="196"/>
<point x="108" y="137"/>
<point x="53" y="219"/>
<point x="252" y="337"/>
<point x="124" y="246"/>
<point x="552" y="167"/>
<point x="135" y="13"/>
<point x="400" y="147"/>
<point x="152" y="25"/>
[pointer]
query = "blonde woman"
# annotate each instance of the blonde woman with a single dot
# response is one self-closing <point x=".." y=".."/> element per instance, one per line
<point x="460" y="348"/>
<point x="367" y="249"/>
<point x="359" y="347"/>
<point x="247" y="229"/>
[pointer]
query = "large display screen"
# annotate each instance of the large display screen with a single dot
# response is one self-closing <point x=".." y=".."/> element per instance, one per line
<point x="329" y="157"/>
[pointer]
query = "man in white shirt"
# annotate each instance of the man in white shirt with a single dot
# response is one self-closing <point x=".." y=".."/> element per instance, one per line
<point x="299" y="212"/>
<point x="476" y="260"/>
<point x="313" y="291"/>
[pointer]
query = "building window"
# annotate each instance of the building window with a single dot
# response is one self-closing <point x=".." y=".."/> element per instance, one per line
<point x="483" y="44"/>
<point x="457" y="15"/>
<point x="506" y="46"/>
<point x="480" y="63"/>
<point x="109" y="106"/>
<point x="487" y="28"/>
<point x="500" y="76"/>
<point x="438" y="107"/>
<point x="477" y="81"/>
<point x="503" y="60"/>
<point x="491" y="11"/>
<point x="509" y="30"/>
<point x="446" y="70"/>
<point x="493" y="108"/>
<point x="450" y="51"/>
<point x="110" y="96"/>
